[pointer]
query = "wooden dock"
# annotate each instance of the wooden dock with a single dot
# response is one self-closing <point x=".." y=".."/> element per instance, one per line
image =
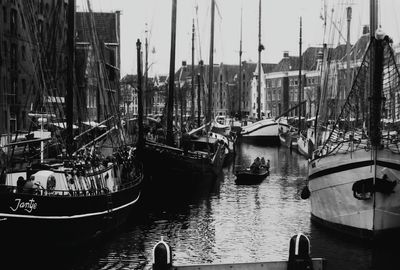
<point x="299" y="259"/>
<point x="318" y="264"/>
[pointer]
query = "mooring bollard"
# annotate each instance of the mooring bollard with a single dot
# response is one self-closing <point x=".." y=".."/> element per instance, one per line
<point x="162" y="256"/>
<point x="299" y="253"/>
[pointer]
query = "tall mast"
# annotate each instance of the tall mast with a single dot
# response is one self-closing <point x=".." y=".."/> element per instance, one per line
<point x="201" y="90"/>
<point x="348" y="78"/>
<point x="146" y="72"/>
<point x="376" y="77"/>
<point x="211" y="65"/>
<point x="300" y="79"/>
<point x="70" y="75"/>
<point x="240" y="65"/>
<point x="171" y="80"/>
<point x="259" y="62"/>
<point x="348" y="47"/>
<point x="198" y="100"/>
<point x="140" y="95"/>
<point x="192" y="105"/>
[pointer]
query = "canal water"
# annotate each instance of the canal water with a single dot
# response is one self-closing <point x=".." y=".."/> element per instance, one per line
<point x="226" y="223"/>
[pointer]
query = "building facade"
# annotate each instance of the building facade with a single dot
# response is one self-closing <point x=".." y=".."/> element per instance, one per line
<point x="98" y="41"/>
<point x="32" y="62"/>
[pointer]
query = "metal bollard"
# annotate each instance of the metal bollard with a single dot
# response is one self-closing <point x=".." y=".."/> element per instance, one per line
<point x="162" y="256"/>
<point x="299" y="253"/>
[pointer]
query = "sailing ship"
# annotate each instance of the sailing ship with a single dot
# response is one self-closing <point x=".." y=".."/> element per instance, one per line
<point x="79" y="194"/>
<point x="353" y="173"/>
<point x="263" y="131"/>
<point x="199" y="155"/>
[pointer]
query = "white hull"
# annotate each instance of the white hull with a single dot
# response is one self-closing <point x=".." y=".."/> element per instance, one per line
<point x="266" y="128"/>
<point x="331" y="181"/>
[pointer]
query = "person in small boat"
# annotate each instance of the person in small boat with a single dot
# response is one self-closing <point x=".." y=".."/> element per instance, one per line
<point x="263" y="164"/>
<point x="256" y="165"/>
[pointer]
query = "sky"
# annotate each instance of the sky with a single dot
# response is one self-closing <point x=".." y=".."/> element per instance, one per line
<point x="280" y="20"/>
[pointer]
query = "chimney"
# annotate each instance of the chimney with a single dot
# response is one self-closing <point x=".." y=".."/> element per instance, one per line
<point x="365" y="30"/>
<point x="320" y="55"/>
<point x="286" y="54"/>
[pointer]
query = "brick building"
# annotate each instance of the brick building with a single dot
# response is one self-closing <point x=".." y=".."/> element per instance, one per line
<point x="32" y="61"/>
<point x="98" y="41"/>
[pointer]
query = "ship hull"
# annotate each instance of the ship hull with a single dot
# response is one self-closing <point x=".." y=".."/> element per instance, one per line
<point x="303" y="146"/>
<point x="64" y="220"/>
<point x="337" y="184"/>
<point x="263" y="132"/>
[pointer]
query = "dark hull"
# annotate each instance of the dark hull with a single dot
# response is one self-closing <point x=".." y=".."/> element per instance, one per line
<point x="260" y="140"/>
<point x="357" y="233"/>
<point x="64" y="220"/>
<point x="161" y="160"/>
<point x="246" y="177"/>
<point x="174" y="176"/>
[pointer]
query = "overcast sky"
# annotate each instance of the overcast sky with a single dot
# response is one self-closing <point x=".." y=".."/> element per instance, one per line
<point x="279" y="30"/>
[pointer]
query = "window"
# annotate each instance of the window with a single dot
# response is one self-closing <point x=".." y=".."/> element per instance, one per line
<point x="4" y="14"/>
<point x="23" y="116"/>
<point x="13" y="21"/>
<point x="23" y="53"/>
<point x="22" y="20"/>
<point x="14" y="58"/>
<point x="23" y="86"/>
<point x="5" y="49"/>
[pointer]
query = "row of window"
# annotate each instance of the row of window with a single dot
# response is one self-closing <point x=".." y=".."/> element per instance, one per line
<point x="273" y="83"/>
<point x="13" y="52"/>
<point x="12" y="85"/>
<point x="11" y="120"/>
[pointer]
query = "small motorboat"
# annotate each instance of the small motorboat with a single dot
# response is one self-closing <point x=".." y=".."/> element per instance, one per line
<point x="250" y="176"/>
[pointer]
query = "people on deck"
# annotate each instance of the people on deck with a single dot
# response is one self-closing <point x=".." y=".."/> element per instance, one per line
<point x="20" y="184"/>
<point x="29" y="186"/>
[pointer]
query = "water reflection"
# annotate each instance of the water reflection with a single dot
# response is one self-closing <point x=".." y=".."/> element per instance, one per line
<point x="229" y="223"/>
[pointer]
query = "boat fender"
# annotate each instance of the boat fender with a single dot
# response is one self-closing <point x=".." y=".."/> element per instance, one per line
<point x="305" y="193"/>
<point x="299" y="253"/>
<point x="162" y="256"/>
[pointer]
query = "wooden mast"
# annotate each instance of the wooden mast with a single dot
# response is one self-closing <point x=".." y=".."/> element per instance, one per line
<point x="211" y="64"/>
<point x="70" y="76"/>
<point x="140" y="95"/>
<point x="193" y="82"/>
<point x="146" y="76"/>
<point x="300" y="79"/>
<point x="240" y="65"/>
<point x="260" y="48"/>
<point x="171" y="80"/>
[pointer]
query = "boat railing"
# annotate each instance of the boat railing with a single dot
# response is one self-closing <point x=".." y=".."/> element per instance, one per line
<point x="40" y="191"/>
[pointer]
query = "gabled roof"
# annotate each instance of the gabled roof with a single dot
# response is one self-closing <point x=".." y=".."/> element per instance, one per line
<point x="360" y="47"/>
<point x="287" y="64"/>
<point x="338" y="52"/>
<point x="310" y="57"/>
<point x="105" y="24"/>
<point x="230" y="72"/>
<point x="187" y="72"/>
